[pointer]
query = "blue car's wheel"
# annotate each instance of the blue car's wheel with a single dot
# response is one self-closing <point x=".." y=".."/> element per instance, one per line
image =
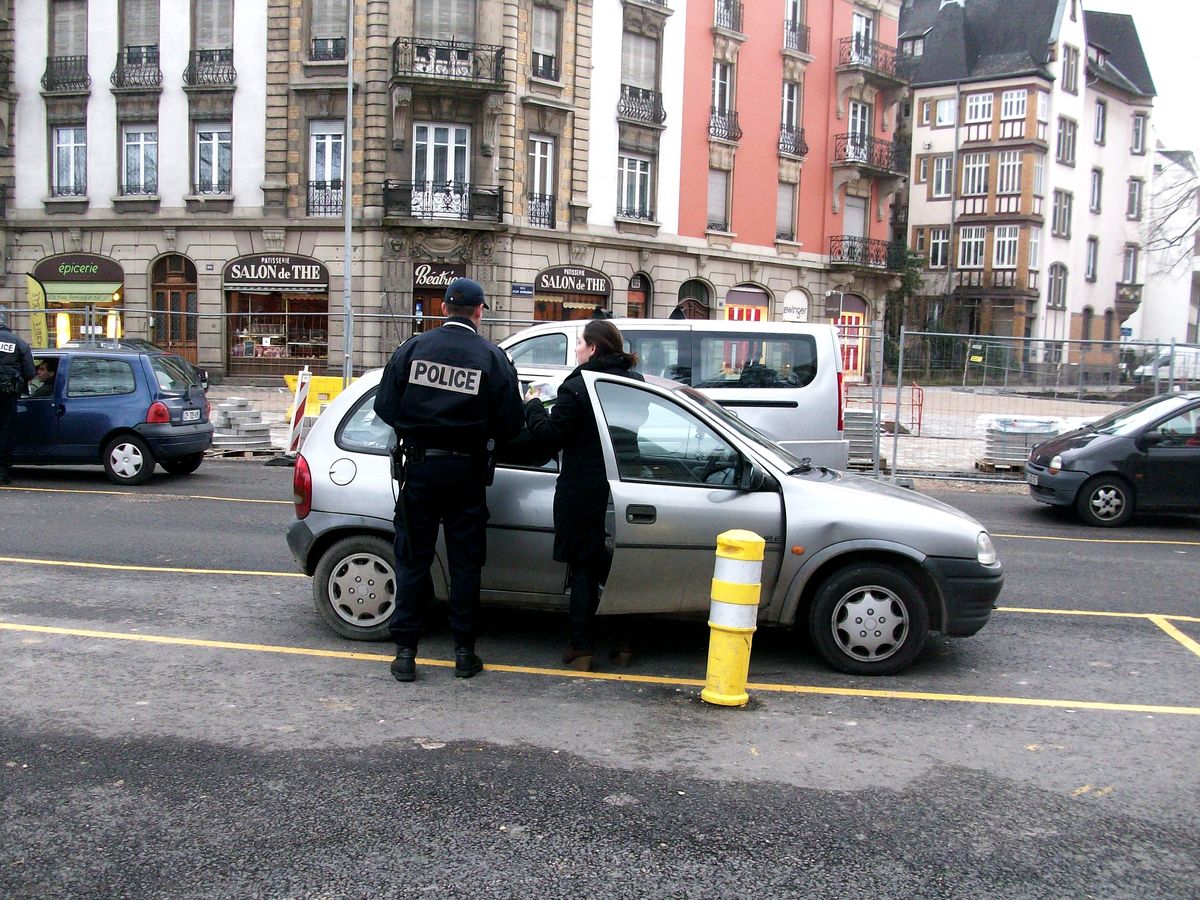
<point x="128" y="460"/>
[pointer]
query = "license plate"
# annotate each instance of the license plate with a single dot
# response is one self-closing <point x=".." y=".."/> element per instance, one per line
<point x="1031" y="478"/>
<point x="191" y="415"/>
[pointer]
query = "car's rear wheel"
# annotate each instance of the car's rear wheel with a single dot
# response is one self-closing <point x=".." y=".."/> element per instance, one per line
<point x="354" y="587"/>
<point x="127" y="460"/>
<point x="869" y="620"/>
<point x="1105" y="501"/>
<point x="182" y="465"/>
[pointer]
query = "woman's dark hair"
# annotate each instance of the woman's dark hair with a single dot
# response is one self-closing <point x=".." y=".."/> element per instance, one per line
<point x="606" y="338"/>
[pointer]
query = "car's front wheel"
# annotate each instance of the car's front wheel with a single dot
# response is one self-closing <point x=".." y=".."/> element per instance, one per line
<point x="128" y="460"/>
<point x="869" y="620"/>
<point x="354" y="587"/>
<point x="182" y="465"/>
<point x="1105" y="501"/>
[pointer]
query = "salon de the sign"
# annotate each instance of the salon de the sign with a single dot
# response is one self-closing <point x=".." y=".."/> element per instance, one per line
<point x="573" y="280"/>
<point x="278" y="271"/>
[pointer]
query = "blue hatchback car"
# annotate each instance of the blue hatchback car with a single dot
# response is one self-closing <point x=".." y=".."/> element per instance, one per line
<point x="126" y="410"/>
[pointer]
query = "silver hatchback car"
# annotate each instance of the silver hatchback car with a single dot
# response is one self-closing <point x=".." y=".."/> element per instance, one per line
<point x="869" y="568"/>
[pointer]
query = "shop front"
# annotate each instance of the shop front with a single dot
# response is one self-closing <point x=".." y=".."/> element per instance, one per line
<point x="745" y="303"/>
<point x="430" y="280"/>
<point x="76" y="296"/>
<point x="278" y="314"/>
<point x="563" y="293"/>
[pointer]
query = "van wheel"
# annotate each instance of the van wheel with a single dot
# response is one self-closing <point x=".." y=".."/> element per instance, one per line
<point x="354" y="587"/>
<point x="869" y="620"/>
<point x="1105" y="501"/>
<point x="127" y="460"/>
<point x="182" y="465"/>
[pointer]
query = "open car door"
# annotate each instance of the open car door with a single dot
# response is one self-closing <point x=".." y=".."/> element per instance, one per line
<point x="674" y="482"/>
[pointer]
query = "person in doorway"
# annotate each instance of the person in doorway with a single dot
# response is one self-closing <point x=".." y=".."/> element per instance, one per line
<point x="16" y="368"/>
<point x="581" y="492"/>
<point x="451" y="396"/>
<point x="43" y="380"/>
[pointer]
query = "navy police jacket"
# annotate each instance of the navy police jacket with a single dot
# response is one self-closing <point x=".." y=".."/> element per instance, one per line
<point x="451" y="389"/>
<point x="16" y="358"/>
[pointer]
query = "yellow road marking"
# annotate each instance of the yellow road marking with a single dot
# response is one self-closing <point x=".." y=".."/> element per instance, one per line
<point x="613" y="676"/>
<point x="1079" y="540"/>
<point x="1161" y="622"/>
<point x="176" y="570"/>
<point x="1093" y="612"/>
<point x="35" y="490"/>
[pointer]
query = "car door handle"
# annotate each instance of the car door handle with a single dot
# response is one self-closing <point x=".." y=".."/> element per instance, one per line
<point x="60" y="410"/>
<point x="637" y="514"/>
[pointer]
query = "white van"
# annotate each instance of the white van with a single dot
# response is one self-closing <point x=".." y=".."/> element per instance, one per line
<point x="785" y="379"/>
<point x="1186" y="368"/>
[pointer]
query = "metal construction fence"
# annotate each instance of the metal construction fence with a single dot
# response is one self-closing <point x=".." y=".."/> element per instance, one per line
<point x="922" y="404"/>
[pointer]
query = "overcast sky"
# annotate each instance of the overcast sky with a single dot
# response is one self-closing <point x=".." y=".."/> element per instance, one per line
<point x="1169" y="30"/>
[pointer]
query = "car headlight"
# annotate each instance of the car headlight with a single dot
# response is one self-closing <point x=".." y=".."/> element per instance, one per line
<point x="985" y="550"/>
<point x="1055" y="465"/>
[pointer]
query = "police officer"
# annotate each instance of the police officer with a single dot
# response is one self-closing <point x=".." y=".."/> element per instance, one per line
<point x="451" y="396"/>
<point x="16" y="368"/>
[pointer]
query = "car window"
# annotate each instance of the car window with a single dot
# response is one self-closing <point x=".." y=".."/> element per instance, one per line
<point x="1132" y="419"/>
<point x="97" y="377"/>
<point x="362" y="430"/>
<point x="1181" y="430"/>
<point x="662" y="354"/>
<point x="45" y="375"/>
<point x="543" y="350"/>
<point x="657" y="440"/>
<point x="756" y="361"/>
<point x="170" y="374"/>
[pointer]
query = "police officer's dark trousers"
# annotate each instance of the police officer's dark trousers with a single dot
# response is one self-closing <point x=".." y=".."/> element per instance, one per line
<point x="8" y="428"/>
<point x="448" y="490"/>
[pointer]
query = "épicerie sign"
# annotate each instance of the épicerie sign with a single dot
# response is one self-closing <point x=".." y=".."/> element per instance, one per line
<point x="276" y="272"/>
<point x="573" y="280"/>
<point x="78" y="267"/>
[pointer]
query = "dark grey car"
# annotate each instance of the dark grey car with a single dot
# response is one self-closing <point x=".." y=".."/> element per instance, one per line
<point x="1142" y="458"/>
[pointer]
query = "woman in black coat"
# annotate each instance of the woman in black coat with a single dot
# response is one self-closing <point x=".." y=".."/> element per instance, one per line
<point x="581" y="492"/>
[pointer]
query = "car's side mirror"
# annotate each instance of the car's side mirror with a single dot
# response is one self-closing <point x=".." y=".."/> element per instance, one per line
<point x="1151" y="439"/>
<point x="202" y="376"/>
<point x="751" y="478"/>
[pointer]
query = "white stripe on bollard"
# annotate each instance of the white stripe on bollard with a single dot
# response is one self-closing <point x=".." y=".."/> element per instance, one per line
<point x="733" y="615"/>
<point x="738" y="571"/>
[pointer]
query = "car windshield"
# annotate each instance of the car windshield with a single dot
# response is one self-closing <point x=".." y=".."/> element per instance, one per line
<point x="172" y="374"/>
<point x="783" y="457"/>
<point x="1138" y="416"/>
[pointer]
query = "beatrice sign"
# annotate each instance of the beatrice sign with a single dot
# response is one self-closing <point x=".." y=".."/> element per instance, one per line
<point x="573" y="280"/>
<point x="276" y="272"/>
<point x="437" y="274"/>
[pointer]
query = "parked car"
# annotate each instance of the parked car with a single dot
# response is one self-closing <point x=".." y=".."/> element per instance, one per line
<point x="783" y="378"/>
<point x="128" y="343"/>
<point x="1142" y="458"/>
<point x="1183" y="365"/>
<point x="124" y="409"/>
<point x="867" y="567"/>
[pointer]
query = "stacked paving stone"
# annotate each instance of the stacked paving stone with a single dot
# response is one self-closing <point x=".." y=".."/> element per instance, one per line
<point x="239" y="426"/>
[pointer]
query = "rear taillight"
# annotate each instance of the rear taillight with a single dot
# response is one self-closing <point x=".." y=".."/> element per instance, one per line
<point x="302" y="488"/>
<point x="158" y="414"/>
<point x="207" y="410"/>
<point x="841" y="402"/>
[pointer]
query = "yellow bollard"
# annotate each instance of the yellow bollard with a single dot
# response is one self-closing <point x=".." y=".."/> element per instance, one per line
<point x="733" y="616"/>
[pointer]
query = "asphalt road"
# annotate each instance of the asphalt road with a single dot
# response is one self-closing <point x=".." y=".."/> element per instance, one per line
<point x="191" y="733"/>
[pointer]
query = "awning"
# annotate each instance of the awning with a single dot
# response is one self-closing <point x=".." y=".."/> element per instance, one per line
<point x="278" y="288"/>
<point x="81" y="292"/>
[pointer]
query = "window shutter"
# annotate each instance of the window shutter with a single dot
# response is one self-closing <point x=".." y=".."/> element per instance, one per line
<point x="446" y="20"/>
<point x="718" y="187"/>
<point x="140" y="24"/>
<point x="783" y="211"/>
<point x="545" y="31"/>
<point x="638" y="61"/>
<point x="329" y="19"/>
<point x="70" y="28"/>
<point x="214" y="24"/>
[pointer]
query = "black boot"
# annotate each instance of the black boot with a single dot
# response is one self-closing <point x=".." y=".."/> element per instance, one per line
<point x="404" y="666"/>
<point x="466" y="663"/>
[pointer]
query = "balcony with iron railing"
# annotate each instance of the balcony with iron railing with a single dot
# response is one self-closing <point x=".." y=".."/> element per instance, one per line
<point x="210" y="68"/>
<point x="5" y="71"/>
<point x="866" y="253"/>
<point x="327" y="49"/>
<point x="478" y="65"/>
<point x="871" y="56"/>
<point x="540" y="210"/>
<point x="642" y="212"/>
<point x="3" y="201"/>
<point x="72" y="189"/>
<point x="220" y="186"/>
<point x="792" y="142"/>
<point x="728" y="15"/>
<point x="442" y="200"/>
<point x="723" y="125"/>
<point x="324" y="198"/>
<point x="868" y="153"/>
<point x="641" y="105"/>
<point x="796" y="37"/>
<point x="145" y="187"/>
<point x="66" y="74"/>
<point x="544" y="66"/>
<point x="137" y="67"/>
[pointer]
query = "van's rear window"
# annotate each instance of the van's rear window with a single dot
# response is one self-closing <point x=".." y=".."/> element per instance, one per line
<point x="754" y="360"/>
